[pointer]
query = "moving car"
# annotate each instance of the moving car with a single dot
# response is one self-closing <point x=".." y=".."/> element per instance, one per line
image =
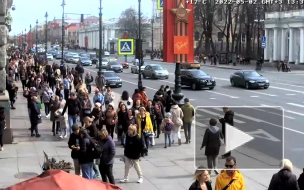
<point x="135" y="68"/>
<point x="114" y="66"/>
<point x="85" y="61"/>
<point x="155" y="71"/>
<point x="49" y="57"/>
<point x="104" y="64"/>
<point x="69" y="58"/>
<point x="106" y="54"/>
<point x="75" y="59"/>
<point x="249" y="79"/>
<point x="59" y="55"/>
<point x="112" y="79"/>
<point x="197" y="79"/>
<point x="125" y="65"/>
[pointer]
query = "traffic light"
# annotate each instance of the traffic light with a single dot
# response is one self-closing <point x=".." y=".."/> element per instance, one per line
<point x="81" y="18"/>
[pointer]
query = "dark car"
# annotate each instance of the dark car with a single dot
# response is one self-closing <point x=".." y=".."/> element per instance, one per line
<point x="85" y="61"/>
<point x="249" y="79"/>
<point x="114" y="66"/>
<point x="197" y="79"/>
<point x="112" y="79"/>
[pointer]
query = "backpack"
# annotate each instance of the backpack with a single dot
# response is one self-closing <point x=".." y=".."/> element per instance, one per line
<point x="157" y="108"/>
<point x="168" y="127"/>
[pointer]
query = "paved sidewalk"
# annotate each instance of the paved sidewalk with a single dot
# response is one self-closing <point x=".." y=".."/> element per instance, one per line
<point x="163" y="169"/>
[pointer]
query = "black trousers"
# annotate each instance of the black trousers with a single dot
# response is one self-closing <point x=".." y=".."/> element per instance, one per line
<point x="66" y="94"/>
<point x="110" y="129"/>
<point x="1" y="140"/>
<point x="34" y="127"/>
<point x="106" y="172"/>
<point x="57" y="124"/>
<point x="158" y="124"/>
<point x="23" y="84"/>
<point x="89" y="88"/>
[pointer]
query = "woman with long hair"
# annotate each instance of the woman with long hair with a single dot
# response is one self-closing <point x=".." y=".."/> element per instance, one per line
<point x="126" y="99"/>
<point x="202" y="180"/>
<point x="110" y="119"/>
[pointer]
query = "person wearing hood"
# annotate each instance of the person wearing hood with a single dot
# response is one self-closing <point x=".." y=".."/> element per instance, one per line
<point x="166" y="127"/>
<point x="228" y="118"/>
<point x="88" y="81"/>
<point x="230" y="179"/>
<point x="202" y="180"/>
<point x="177" y="115"/>
<point x="126" y="99"/>
<point x="189" y="112"/>
<point x="212" y="144"/>
<point x="108" y="152"/>
<point x="132" y="152"/>
<point x="284" y="179"/>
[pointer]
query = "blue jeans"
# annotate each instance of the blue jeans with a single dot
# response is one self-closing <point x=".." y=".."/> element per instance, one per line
<point x="167" y="138"/>
<point x="87" y="170"/>
<point x="72" y="120"/>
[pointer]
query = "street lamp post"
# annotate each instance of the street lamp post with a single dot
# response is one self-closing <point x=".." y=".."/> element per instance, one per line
<point x="152" y="33"/>
<point x="62" y="32"/>
<point x="100" y="37"/>
<point x="36" y="41"/>
<point x="259" y="60"/>
<point x="46" y="31"/>
<point x="140" y="85"/>
<point x="30" y="36"/>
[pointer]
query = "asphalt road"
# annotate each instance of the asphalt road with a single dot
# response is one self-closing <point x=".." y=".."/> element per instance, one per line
<point x="286" y="91"/>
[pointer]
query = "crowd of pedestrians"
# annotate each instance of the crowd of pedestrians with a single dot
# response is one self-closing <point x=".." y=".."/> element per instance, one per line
<point x="137" y="121"/>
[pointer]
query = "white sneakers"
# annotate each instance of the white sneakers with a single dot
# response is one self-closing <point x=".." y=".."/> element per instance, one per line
<point x="1" y="149"/>
<point x="140" y="180"/>
<point x="63" y="137"/>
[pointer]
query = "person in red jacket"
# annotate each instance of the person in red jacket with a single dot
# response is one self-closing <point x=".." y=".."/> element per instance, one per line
<point x="144" y="96"/>
<point x="137" y="95"/>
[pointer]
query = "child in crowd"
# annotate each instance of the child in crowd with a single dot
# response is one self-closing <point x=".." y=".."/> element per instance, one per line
<point x="63" y="120"/>
<point x="166" y="127"/>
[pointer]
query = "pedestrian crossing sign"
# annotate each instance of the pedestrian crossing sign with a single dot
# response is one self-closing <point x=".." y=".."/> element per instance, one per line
<point x="125" y="47"/>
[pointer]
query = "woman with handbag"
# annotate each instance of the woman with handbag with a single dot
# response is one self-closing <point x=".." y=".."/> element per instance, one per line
<point x="110" y="119"/>
<point x="35" y="116"/>
<point x="145" y="128"/>
<point x="86" y="107"/>
<point x="213" y="139"/>
<point x="177" y="115"/>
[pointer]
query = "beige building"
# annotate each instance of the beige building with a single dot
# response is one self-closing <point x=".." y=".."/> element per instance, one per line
<point x="157" y="16"/>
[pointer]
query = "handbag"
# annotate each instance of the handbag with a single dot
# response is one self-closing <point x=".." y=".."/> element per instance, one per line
<point x="39" y="120"/>
<point x="147" y="133"/>
<point x="228" y="185"/>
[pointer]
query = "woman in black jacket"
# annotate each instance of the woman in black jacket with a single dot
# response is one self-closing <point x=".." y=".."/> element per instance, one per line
<point x="85" y="156"/>
<point x="284" y="179"/>
<point x="133" y="149"/>
<point x="122" y="116"/>
<point x="75" y="147"/>
<point x="97" y="115"/>
<point x="202" y="180"/>
<point x="35" y="116"/>
<point x="130" y="120"/>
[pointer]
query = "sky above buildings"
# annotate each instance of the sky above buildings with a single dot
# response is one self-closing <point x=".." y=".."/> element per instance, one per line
<point x="28" y="11"/>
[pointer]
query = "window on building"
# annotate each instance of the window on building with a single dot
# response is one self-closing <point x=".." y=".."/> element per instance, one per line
<point x="220" y="14"/>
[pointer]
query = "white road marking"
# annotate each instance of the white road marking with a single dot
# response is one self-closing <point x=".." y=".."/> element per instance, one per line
<point x="221" y="94"/>
<point x="288" y="111"/>
<point x="290" y="94"/>
<point x="289" y="85"/>
<point x="243" y="116"/>
<point x="261" y="93"/>
<point x="272" y="113"/>
<point x="286" y="89"/>
<point x="221" y="79"/>
<point x="254" y="96"/>
<point x="298" y="105"/>
<point x="167" y="81"/>
<point x="212" y="98"/>
<point x="216" y="114"/>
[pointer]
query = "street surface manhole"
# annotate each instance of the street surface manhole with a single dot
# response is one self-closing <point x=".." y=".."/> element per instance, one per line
<point x="25" y="175"/>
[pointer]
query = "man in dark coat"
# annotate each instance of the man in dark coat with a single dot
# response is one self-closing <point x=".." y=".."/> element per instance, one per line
<point x="228" y="118"/>
<point x="301" y="180"/>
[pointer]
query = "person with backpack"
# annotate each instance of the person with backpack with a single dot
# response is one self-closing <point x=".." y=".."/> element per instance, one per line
<point x="88" y="80"/>
<point x="166" y="127"/>
<point x="159" y="114"/>
<point x="284" y="179"/>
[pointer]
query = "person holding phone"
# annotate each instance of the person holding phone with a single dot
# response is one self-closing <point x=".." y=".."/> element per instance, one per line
<point x="75" y="147"/>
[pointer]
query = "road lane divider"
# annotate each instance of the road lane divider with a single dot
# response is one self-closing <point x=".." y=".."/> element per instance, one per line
<point x="262" y="93"/>
<point x="255" y="108"/>
<point x="216" y="114"/>
<point x="221" y="94"/>
<point x="286" y="89"/>
<point x="285" y="110"/>
<point x="290" y="94"/>
<point x="298" y="105"/>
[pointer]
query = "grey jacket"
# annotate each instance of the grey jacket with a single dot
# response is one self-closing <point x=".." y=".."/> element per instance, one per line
<point x="108" y="151"/>
<point x="211" y="141"/>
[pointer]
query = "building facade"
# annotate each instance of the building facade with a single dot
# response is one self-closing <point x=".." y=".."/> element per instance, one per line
<point x="284" y="32"/>
<point x="157" y="16"/>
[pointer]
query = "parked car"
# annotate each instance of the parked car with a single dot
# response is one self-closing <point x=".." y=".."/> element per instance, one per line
<point x="112" y="79"/>
<point x="85" y="61"/>
<point x="49" y="57"/>
<point x="135" y="68"/>
<point x="75" y="59"/>
<point x="155" y="71"/>
<point x="125" y="65"/>
<point x="197" y="79"/>
<point x="104" y="64"/>
<point x="249" y="79"/>
<point x="59" y="55"/>
<point x="114" y="66"/>
<point x="69" y="58"/>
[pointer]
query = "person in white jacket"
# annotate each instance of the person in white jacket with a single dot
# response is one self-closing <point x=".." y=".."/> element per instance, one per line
<point x="126" y="99"/>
